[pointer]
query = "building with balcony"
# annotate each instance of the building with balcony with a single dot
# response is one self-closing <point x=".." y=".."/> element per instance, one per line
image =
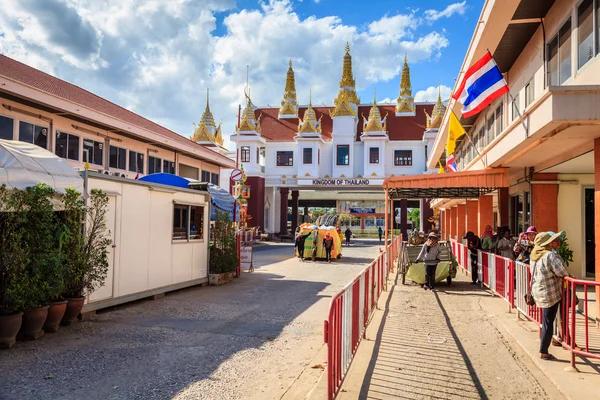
<point x="335" y="157"/>
<point x="546" y="131"/>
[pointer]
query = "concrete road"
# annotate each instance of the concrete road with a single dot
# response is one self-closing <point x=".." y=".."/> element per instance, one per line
<point x="257" y="338"/>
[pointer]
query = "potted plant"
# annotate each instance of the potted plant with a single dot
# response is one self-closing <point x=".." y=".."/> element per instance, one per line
<point x="39" y="224"/>
<point x="13" y="264"/>
<point x="86" y="248"/>
<point x="223" y="251"/>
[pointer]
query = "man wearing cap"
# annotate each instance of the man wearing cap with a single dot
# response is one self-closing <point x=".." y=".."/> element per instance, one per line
<point x="473" y="244"/>
<point x="547" y="272"/>
<point x="328" y="246"/>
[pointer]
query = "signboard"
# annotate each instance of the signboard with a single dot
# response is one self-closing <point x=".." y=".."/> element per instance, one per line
<point x="362" y="210"/>
<point x="246" y="256"/>
<point x="347" y="182"/>
<point x="236" y="175"/>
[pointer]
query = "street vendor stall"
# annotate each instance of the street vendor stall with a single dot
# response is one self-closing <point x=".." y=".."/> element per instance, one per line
<point x="313" y="246"/>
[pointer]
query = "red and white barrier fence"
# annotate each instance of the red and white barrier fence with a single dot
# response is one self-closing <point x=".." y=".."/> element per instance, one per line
<point x="350" y="311"/>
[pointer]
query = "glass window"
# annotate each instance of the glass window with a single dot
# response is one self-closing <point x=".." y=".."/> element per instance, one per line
<point x="136" y="162"/>
<point x="564" y="38"/>
<point x="214" y="178"/>
<point x="553" y="62"/>
<point x="489" y="127"/>
<point x="6" y="128"/>
<point x="307" y="155"/>
<point x="499" y="120"/>
<point x="285" y="158"/>
<point x="35" y="134"/>
<point x="374" y="155"/>
<point x="245" y="154"/>
<point x="67" y="146"/>
<point x="515" y="107"/>
<point x="380" y="221"/>
<point x="529" y="93"/>
<point x="370" y="222"/>
<point x="116" y="157"/>
<point x="93" y="152"/>
<point x="168" y="167"/>
<point x="196" y="222"/>
<point x="343" y="154"/>
<point x="402" y="158"/>
<point x="205" y="176"/>
<point x="154" y="165"/>
<point x="180" y="222"/>
<point x="585" y="32"/>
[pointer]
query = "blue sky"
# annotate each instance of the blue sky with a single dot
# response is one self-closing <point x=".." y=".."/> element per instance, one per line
<point x="157" y="58"/>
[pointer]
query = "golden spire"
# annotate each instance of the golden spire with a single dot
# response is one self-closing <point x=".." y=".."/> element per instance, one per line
<point x="219" y="136"/>
<point x="374" y="123"/>
<point x="347" y="92"/>
<point x="207" y="117"/>
<point x="289" y="105"/>
<point x="309" y="123"/>
<point x="435" y="120"/>
<point x="405" y="102"/>
<point x="249" y="123"/>
<point x="206" y="130"/>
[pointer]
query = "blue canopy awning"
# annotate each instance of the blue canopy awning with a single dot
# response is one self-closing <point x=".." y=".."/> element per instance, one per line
<point x="220" y="198"/>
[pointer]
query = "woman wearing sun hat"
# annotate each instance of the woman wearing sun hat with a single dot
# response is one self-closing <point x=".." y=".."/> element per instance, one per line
<point x="430" y="254"/>
<point x="547" y="271"/>
<point x="525" y="244"/>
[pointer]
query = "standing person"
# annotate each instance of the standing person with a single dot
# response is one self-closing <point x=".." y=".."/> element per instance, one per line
<point x="348" y="234"/>
<point x="380" y="231"/>
<point x="525" y="245"/>
<point x="300" y="239"/>
<point x="430" y="254"/>
<point x="505" y="244"/>
<point x="473" y="244"/>
<point x="487" y="240"/>
<point x="547" y="271"/>
<point x="328" y="246"/>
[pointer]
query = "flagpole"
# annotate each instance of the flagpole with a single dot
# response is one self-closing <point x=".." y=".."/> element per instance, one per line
<point x="475" y="147"/>
<point x="512" y="102"/>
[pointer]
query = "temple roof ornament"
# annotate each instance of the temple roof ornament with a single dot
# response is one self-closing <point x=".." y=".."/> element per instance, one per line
<point x="248" y="122"/>
<point x="346" y="99"/>
<point x="289" y="105"/>
<point x="206" y="130"/>
<point x="374" y="123"/>
<point x="219" y="136"/>
<point x="434" y="121"/>
<point x="309" y="125"/>
<point x="405" y="105"/>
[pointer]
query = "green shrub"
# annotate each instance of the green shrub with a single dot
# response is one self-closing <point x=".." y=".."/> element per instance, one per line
<point x="223" y="250"/>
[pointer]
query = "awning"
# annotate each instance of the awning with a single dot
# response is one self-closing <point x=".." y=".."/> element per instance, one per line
<point x="24" y="165"/>
<point x="221" y="200"/>
<point x="463" y="185"/>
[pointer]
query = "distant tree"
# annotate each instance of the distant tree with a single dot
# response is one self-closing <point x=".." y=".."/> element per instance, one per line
<point x="347" y="219"/>
<point x="414" y="214"/>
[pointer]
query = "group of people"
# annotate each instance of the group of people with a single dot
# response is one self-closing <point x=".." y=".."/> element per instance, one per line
<point x="538" y="250"/>
<point x="328" y="245"/>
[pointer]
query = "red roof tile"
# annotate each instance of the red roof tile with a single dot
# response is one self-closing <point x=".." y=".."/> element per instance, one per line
<point x="37" y="79"/>
<point x="399" y="128"/>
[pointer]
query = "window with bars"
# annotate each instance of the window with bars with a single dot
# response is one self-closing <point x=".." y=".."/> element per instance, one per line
<point x="403" y="158"/>
<point x="374" y="155"/>
<point x="245" y="154"/>
<point x="285" y="158"/>
<point x="307" y="155"/>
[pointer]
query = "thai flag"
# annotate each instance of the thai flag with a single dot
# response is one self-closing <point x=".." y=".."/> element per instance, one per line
<point x="451" y="163"/>
<point x="483" y="83"/>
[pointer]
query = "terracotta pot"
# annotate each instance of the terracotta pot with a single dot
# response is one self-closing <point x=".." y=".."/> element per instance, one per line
<point x="55" y="313"/>
<point x="74" y="306"/>
<point x="9" y="327"/>
<point x="33" y="322"/>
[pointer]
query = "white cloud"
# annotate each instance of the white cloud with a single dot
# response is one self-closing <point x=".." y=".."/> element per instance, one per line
<point x="157" y="58"/>
<point x="431" y="93"/>
<point x="456" y="8"/>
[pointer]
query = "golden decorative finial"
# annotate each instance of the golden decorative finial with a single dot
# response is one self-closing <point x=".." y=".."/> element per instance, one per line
<point x="290" y="63"/>
<point x="347" y="92"/>
<point x="435" y="119"/>
<point x="309" y="124"/>
<point x="289" y="105"/>
<point x="405" y="102"/>
<point x="310" y="98"/>
<point x="207" y="106"/>
<point x="374" y="123"/>
<point x="374" y="96"/>
<point x="347" y="48"/>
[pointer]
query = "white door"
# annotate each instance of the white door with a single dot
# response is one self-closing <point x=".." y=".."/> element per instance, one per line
<point x="106" y="291"/>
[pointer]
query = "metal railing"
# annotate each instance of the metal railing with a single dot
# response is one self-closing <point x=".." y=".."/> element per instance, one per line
<point x="350" y="312"/>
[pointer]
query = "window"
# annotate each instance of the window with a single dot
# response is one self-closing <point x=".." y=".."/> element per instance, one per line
<point x="116" y="157"/>
<point x="35" y="134"/>
<point x="374" y="155"/>
<point x="403" y="158"/>
<point x="529" y="93"/>
<point x="585" y="20"/>
<point x="6" y="128"/>
<point x="205" y="176"/>
<point x="481" y="140"/>
<point x="307" y="155"/>
<point x="136" y="162"/>
<point x="499" y="120"/>
<point x="285" y="158"/>
<point x="214" y="178"/>
<point x="67" y="146"/>
<point x="93" y="152"/>
<point x="245" y="154"/>
<point x="490" y="128"/>
<point x="154" y="165"/>
<point x="559" y="56"/>
<point x="515" y="107"/>
<point x="196" y="222"/>
<point x="180" y="222"/>
<point x="343" y="154"/>
<point x="257" y="154"/>
<point x="168" y="167"/>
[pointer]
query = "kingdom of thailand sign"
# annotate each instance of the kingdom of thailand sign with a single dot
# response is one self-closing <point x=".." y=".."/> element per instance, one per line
<point x="350" y="182"/>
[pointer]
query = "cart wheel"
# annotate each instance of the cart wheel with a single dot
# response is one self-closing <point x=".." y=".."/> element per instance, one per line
<point x="449" y="280"/>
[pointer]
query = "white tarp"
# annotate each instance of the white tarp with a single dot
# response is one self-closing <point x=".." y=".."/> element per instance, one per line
<point x="24" y="164"/>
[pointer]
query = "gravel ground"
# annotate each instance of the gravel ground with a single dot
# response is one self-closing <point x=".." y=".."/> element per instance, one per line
<point x="442" y="345"/>
<point x="251" y="339"/>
